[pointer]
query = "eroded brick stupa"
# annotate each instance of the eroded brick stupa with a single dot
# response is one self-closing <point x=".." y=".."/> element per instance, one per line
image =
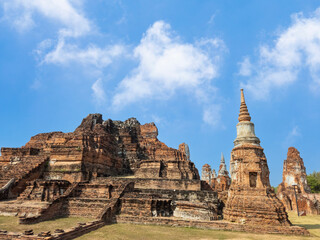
<point x="206" y="174"/>
<point x="251" y="199"/>
<point x="295" y="176"/>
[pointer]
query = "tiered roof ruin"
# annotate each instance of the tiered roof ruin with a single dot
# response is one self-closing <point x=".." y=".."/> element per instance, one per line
<point x="116" y="171"/>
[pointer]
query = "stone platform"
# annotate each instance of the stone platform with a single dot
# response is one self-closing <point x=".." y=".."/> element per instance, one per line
<point x="215" y="225"/>
<point x="119" y="200"/>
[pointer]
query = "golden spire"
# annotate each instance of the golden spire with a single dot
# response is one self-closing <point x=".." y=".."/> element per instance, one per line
<point x="244" y="114"/>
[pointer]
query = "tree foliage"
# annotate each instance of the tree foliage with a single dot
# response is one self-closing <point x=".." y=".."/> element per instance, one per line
<point x="314" y="181"/>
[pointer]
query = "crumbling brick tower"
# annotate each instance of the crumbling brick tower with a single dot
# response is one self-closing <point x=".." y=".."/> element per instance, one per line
<point x="206" y="174"/>
<point x="295" y="176"/>
<point x="250" y="198"/>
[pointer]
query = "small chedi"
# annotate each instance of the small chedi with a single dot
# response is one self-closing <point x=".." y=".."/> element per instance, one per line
<point x="206" y="174"/>
<point x="119" y="172"/>
<point x="219" y="183"/>
<point x="251" y="198"/>
<point x="294" y="188"/>
<point x="222" y="181"/>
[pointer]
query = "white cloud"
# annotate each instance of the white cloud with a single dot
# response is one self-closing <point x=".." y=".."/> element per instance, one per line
<point x="211" y="20"/>
<point x="65" y="53"/>
<point x="245" y="67"/>
<point x="42" y="49"/>
<point x="212" y="115"/>
<point x="296" y="48"/>
<point x="20" y="14"/>
<point x="292" y="136"/>
<point x="167" y="65"/>
<point x="123" y="8"/>
<point x="36" y="85"/>
<point x="295" y="132"/>
<point x="156" y="119"/>
<point x="72" y="24"/>
<point x="98" y="92"/>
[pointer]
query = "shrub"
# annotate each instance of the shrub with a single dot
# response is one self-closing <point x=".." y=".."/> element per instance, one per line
<point x="314" y="181"/>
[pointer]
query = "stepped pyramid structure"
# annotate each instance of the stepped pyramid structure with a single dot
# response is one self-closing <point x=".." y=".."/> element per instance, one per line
<point x="250" y="198"/>
<point x="103" y="165"/>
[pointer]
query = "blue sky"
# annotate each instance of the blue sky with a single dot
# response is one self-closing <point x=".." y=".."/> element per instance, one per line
<point x="177" y="63"/>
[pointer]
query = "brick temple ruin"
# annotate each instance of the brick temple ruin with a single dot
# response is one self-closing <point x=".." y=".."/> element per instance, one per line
<point x="294" y="190"/>
<point x="119" y="172"/>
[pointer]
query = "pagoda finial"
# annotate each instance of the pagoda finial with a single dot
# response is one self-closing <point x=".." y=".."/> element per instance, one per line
<point x="242" y="96"/>
<point x="222" y="168"/>
<point x="222" y="158"/>
<point x="244" y="114"/>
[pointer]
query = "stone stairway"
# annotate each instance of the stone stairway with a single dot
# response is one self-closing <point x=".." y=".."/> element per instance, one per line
<point x="86" y="207"/>
<point x="22" y="169"/>
<point x="22" y="208"/>
<point x="93" y="199"/>
<point x="3" y="182"/>
<point x="89" y="199"/>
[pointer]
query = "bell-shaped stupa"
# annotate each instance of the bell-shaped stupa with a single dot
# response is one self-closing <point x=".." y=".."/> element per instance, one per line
<point x="250" y="198"/>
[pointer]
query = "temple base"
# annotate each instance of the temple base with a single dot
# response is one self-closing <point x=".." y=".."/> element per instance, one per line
<point x="255" y="207"/>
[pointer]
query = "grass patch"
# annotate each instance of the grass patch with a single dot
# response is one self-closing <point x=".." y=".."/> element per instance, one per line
<point x="146" y="232"/>
<point x="11" y="224"/>
<point x="310" y="222"/>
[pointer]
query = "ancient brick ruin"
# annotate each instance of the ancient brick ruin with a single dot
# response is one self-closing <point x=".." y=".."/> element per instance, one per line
<point x="206" y="174"/>
<point x="294" y="188"/>
<point x="101" y="169"/>
<point x="222" y="181"/>
<point x="219" y="183"/>
<point x="250" y="196"/>
<point x="115" y="171"/>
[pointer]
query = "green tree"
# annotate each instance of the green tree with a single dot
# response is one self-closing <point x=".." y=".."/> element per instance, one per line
<point x="314" y="181"/>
